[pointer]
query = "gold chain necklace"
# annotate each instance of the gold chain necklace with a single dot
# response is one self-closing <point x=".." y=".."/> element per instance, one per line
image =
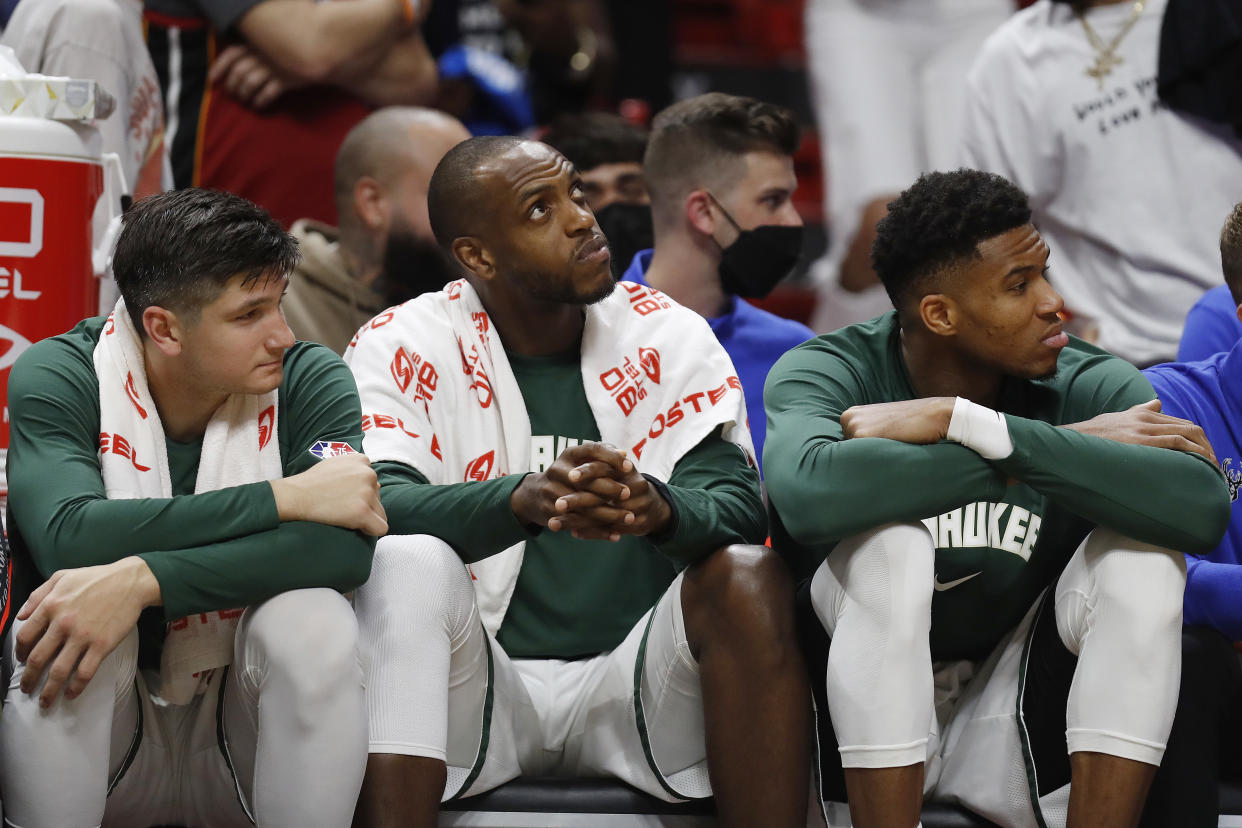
<point x="1106" y="57"/>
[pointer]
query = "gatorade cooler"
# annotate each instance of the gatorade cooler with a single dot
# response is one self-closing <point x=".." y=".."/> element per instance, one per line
<point x="56" y="234"/>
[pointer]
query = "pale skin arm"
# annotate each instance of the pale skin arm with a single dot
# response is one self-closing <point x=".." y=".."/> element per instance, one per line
<point x="75" y="619"/>
<point x="406" y="75"/>
<point x="318" y="42"/>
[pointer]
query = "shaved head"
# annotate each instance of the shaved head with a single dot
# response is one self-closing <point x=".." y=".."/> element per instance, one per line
<point x="390" y="143"/>
<point x="454" y="196"/>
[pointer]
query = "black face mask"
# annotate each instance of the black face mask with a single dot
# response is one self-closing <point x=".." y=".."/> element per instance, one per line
<point x="628" y="228"/>
<point x="412" y="267"/>
<point x="759" y="258"/>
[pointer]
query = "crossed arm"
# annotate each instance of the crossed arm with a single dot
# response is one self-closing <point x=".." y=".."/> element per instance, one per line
<point x="833" y="474"/>
<point x="363" y="46"/>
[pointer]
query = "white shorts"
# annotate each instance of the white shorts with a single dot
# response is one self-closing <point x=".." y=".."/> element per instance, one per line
<point x="634" y="713"/>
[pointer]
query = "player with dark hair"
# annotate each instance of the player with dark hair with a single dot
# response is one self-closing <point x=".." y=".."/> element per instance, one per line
<point x="720" y="169"/>
<point x="960" y="478"/>
<point x="579" y="446"/>
<point x="182" y="528"/>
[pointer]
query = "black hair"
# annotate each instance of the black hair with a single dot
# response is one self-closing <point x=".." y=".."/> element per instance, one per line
<point x="938" y="222"/>
<point x="178" y="249"/>
<point x="453" y="195"/>
<point x="592" y="139"/>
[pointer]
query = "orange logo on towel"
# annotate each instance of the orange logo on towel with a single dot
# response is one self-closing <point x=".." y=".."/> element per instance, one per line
<point x="267" y="418"/>
<point x="119" y="445"/>
<point x="132" y="392"/>
<point x="480" y="468"/>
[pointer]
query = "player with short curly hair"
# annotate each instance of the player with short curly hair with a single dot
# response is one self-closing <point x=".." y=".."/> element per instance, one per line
<point x="960" y="479"/>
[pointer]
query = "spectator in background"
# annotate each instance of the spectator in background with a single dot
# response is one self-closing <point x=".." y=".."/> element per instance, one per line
<point x="1213" y="324"/>
<point x="260" y="93"/>
<point x="607" y="151"/>
<point x="384" y="251"/>
<point x="889" y="81"/>
<point x="1062" y="101"/>
<point x="1208" y="392"/>
<point x="100" y="40"/>
<point x="720" y="171"/>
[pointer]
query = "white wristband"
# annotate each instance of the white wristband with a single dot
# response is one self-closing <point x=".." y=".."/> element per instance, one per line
<point x="980" y="429"/>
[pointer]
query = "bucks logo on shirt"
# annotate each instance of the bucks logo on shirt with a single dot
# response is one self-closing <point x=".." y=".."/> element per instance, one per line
<point x="982" y="553"/>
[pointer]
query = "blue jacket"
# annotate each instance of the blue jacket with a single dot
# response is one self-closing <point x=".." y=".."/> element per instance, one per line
<point x="754" y="340"/>
<point x="1209" y="393"/>
<point x="1211" y="326"/>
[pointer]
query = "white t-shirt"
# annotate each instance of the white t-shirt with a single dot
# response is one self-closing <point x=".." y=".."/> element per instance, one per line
<point x="1129" y="195"/>
<point x="101" y="40"/>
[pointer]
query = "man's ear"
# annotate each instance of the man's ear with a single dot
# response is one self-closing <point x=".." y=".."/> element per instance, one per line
<point x="164" y="329"/>
<point x="698" y="212"/>
<point x="371" y="203"/>
<point x="939" y="314"/>
<point x="474" y="257"/>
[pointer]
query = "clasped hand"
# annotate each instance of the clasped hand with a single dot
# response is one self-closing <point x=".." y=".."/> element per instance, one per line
<point x="595" y="492"/>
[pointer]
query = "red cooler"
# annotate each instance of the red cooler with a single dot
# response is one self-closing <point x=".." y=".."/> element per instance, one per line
<point x="51" y="179"/>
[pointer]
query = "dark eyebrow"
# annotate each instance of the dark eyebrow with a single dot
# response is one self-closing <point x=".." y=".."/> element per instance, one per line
<point x="251" y="304"/>
<point x="1025" y="268"/>
<point x="531" y="192"/>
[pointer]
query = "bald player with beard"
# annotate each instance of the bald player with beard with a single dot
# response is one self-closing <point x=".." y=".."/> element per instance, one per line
<point x="383" y="252"/>
<point x="566" y="588"/>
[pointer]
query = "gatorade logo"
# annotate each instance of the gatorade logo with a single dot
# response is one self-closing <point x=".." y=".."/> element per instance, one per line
<point x="16" y="203"/>
<point x="649" y="358"/>
<point x="480" y="468"/>
<point x="16" y="344"/>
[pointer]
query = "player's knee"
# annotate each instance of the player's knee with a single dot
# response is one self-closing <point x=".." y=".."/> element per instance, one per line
<point x="744" y="590"/>
<point x="1139" y="585"/>
<point x="421" y="571"/>
<point x="306" y="633"/>
<point x="884" y="579"/>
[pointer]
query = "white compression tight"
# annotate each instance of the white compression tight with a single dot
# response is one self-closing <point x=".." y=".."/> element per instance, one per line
<point x="296" y="682"/>
<point x="1118" y="607"/>
<point x="418" y="620"/>
<point x="873" y="596"/>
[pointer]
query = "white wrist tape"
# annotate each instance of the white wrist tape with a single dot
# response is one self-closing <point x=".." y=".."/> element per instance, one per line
<point x="980" y="429"/>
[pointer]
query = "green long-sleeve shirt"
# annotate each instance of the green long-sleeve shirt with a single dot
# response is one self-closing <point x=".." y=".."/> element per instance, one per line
<point x="1001" y="543"/>
<point x="574" y="597"/>
<point x="210" y="551"/>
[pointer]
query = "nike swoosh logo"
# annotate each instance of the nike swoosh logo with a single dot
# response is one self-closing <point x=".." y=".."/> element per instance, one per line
<point x="942" y="586"/>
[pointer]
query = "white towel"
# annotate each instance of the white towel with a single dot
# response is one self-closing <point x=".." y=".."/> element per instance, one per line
<point x="438" y="395"/>
<point x="238" y="447"/>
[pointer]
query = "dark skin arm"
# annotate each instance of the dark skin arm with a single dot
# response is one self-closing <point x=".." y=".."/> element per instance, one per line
<point x="595" y="492"/>
<point x="926" y="421"/>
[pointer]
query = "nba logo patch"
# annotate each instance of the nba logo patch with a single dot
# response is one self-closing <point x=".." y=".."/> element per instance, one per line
<point x="331" y="448"/>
